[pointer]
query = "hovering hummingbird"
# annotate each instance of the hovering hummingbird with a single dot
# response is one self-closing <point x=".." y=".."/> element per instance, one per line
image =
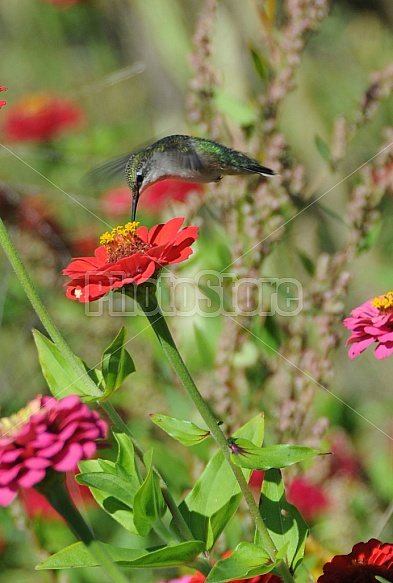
<point x="181" y="158"/>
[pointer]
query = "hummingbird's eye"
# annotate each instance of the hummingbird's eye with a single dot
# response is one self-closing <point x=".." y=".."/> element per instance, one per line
<point x="139" y="179"/>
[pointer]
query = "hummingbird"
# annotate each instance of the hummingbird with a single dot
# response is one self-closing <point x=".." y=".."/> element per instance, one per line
<point x="180" y="157"/>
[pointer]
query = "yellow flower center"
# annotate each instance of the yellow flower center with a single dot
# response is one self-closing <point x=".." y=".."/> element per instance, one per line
<point x="9" y="426"/>
<point x="384" y="303"/>
<point x="123" y="242"/>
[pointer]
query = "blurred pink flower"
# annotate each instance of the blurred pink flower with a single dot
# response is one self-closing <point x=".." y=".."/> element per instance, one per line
<point x="47" y="434"/>
<point x="308" y="498"/>
<point x="159" y="195"/>
<point x="41" y="117"/>
<point x="2" y="102"/>
<point x="364" y="562"/>
<point x="185" y="579"/>
<point x="117" y="202"/>
<point x="372" y="322"/>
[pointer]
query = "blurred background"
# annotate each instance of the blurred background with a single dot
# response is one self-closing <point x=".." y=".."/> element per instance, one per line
<point x="92" y="80"/>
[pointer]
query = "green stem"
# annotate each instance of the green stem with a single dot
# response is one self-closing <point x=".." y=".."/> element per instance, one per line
<point x="149" y="304"/>
<point x="54" y="490"/>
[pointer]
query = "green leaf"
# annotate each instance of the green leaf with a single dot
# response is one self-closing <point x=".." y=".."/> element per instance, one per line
<point x="126" y="458"/>
<point x="102" y="484"/>
<point x="323" y="148"/>
<point x="149" y="503"/>
<point x="114" y="485"/>
<point x="307" y="262"/>
<point x="59" y="374"/>
<point x="212" y="502"/>
<point x="246" y="561"/>
<point x="184" y="431"/>
<point x="247" y="455"/>
<point x="77" y="555"/>
<point x="284" y="522"/>
<point x="238" y="111"/>
<point x="117" y="364"/>
<point x="259" y="63"/>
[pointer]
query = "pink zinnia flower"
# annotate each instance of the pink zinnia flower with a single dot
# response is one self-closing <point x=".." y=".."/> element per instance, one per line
<point x="41" y="117"/>
<point x="46" y="435"/>
<point x="128" y="255"/>
<point x="372" y="322"/>
<point x="2" y="102"/>
<point x="364" y="562"/>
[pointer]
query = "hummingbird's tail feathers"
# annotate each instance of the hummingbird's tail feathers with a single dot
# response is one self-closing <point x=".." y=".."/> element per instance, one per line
<point x="106" y="172"/>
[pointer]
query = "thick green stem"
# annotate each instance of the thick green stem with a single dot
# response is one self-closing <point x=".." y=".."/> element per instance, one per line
<point x="148" y="303"/>
<point x="54" y="490"/>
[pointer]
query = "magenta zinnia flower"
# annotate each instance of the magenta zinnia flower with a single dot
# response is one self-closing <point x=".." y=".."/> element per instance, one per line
<point x="372" y="322"/>
<point x="46" y="435"/>
<point x="128" y="255"/>
<point x="364" y="562"/>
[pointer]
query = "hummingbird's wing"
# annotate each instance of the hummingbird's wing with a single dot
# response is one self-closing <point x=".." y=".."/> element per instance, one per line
<point x="106" y="172"/>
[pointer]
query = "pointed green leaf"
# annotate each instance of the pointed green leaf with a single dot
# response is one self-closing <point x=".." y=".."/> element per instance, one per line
<point x="77" y="555"/>
<point x="149" y="503"/>
<point x="184" y="431"/>
<point x="247" y="455"/>
<point x="323" y="148"/>
<point x="284" y="522"/>
<point x="59" y="374"/>
<point x="114" y="485"/>
<point x="260" y="63"/>
<point x="246" y="561"/>
<point x="126" y="458"/>
<point x="212" y="502"/>
<point x="101" y="484"/>
<point x="117" y="364"/>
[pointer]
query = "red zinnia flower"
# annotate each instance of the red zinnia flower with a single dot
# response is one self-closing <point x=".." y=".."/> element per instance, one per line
<point x="372" y="322"/>
<point x="361" y="565"/>
<point x="128" y="255"/>
<point x="41" y="117"/>
<point x="2" y="102"/>
<point x="47" y="434"/>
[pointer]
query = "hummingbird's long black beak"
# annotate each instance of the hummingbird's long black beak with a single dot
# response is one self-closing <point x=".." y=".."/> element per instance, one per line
<point x="135" y="198"/>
